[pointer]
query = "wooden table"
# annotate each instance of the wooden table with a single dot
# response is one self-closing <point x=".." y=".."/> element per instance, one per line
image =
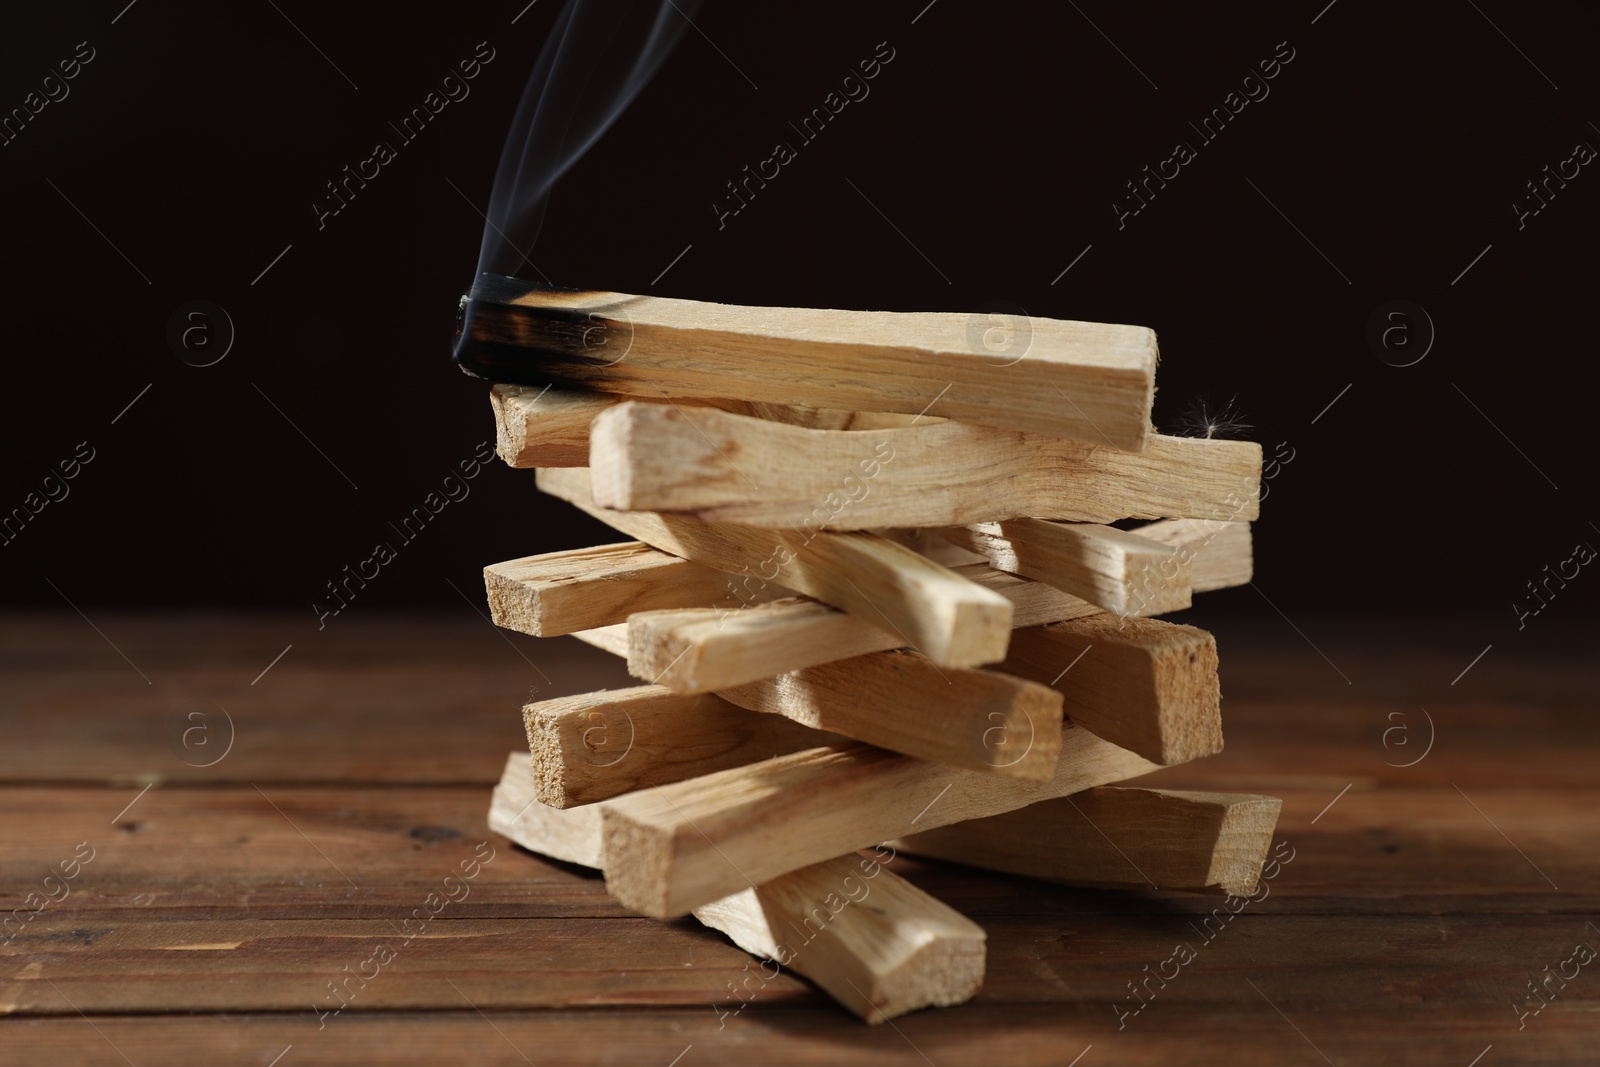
<point x="221" y="901"/>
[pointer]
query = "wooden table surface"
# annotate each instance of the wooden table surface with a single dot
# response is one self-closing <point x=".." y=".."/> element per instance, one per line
<point x="346" y="782"/>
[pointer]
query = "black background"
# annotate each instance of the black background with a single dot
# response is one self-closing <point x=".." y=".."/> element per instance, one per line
<point x="991" y="149"/>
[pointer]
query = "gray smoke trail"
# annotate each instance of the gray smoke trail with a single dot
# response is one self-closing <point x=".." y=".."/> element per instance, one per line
<point x="599" y="55"/>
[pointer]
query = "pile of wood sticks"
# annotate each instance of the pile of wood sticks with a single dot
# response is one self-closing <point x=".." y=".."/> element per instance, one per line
<point x="873" y="593"/>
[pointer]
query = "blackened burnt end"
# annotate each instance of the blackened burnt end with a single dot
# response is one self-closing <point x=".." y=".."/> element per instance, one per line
<point x="533" y="343"/>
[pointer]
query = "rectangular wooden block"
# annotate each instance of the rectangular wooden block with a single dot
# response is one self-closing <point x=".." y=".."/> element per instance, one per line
<point x="1121" y="572"/>
<point x="723" y="467"/>
<point x="980" y="720"/>
<point x="1119" y="837"/>
<point x="549" y="427"/>
<point x="579" y="589"/>
<point x="593" y="746"/>
<point x="677" y="847"/>
<point x="1150" y="686"/>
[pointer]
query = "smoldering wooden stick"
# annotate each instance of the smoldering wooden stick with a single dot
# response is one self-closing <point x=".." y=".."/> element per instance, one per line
<point x="1082" y="380"/>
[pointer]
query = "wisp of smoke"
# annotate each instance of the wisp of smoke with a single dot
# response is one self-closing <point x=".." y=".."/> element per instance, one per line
<point x="600" y="53"/>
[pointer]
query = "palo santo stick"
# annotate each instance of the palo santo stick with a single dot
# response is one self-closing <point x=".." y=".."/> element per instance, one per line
<point x="1147" y="685"/>
<point x="953" y="621"/>
<point x="902" y="952"/>
<point x="1122" y="572"/>
<point x="1218" y="553"/>
<point x="544" y="427"/>
<point x="1090" y="381"/>
<point x="597" y="745"/>
<point x="723" y="467"/>
<point x="580" y="589"/>
<point x="571" y="835"/>
<point x="612" y="639"/>
<point x="677" y="847"/>
<point x="549" y="427"/>
<point x="696" y="651"/>
<point x="982" y="720"/>
<point x="1116" y="837"/>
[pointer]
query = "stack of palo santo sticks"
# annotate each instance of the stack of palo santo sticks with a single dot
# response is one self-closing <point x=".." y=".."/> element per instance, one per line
<point x="874" y="602"/>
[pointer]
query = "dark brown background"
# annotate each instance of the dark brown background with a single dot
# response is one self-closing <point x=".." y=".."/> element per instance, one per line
<point x="995" y="141"/>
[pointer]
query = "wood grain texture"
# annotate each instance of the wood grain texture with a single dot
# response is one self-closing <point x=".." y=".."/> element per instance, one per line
<point x="980" y="720"/>
<point x="593" y="746"/>
<point x="854" y="360"/>
<point x="582" y="588"/>
<point x="1150" y="686"/>
<point x="1396" y="850"/>
<point x="1218" y="554"/>
<point x="877" y="944"/>
<point x="723" y="467"/>
<point x="953" y="621"/>
<point x="549" y="427"/>
<point x="699" y="650"/>
<point x="1120" y="837"/>
<point x="1400" y="934"/>
<point x="1184" y="1034"/>
<point x="1115" y="570"/>
<point x="674" y="848"/>
<point x="902" y="952"/>
<point x="544" y="427"/>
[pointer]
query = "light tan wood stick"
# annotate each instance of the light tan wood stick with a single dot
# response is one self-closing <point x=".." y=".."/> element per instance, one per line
<point x="902" y="951"/>
<point x="1147" y="685"/>
<point x="723" y="467"/>
<point x="1090" y="381"/>
<point x="677" y="847"/>
<point x="953" y="621"/>
<point x="871" y="940"/>
<point x="981" y="720"/>
<point x="1118" y="837"/>
<point x="549" y="427"/>
<point x="579" y="589"/>
<point x="1122" y="572"/>
<point x="612" y="639"/>
<point x="700" y="650"/>
<point x="1218" y="553"/>
<point x="545" y="427"/>
<point x="594" y="746"/>
<point x="571" y="835"/>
